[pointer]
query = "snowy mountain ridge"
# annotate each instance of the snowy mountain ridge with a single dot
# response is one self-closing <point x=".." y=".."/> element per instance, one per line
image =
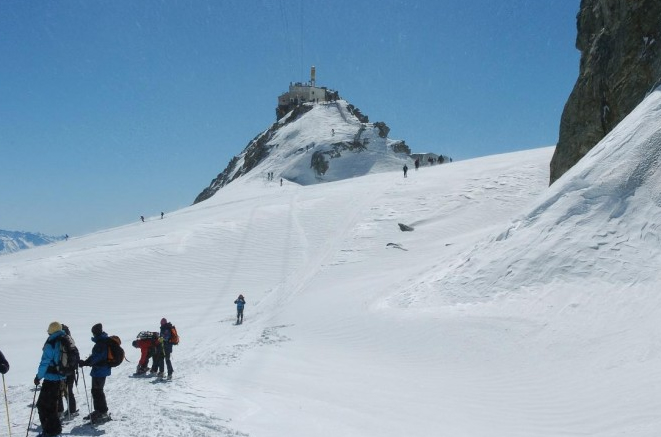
<point x="315" y="143"/>
<point x="12" y="241"/>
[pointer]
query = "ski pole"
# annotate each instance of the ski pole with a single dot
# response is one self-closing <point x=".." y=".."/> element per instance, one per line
<point x="4" y="386"/>
<point x="34" y="400"/>
<point x="86" y="396"/>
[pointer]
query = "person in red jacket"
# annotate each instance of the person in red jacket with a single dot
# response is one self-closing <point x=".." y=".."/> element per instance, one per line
<point x="149" y="344"/>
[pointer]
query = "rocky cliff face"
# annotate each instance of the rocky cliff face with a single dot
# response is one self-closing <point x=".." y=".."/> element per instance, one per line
<point x="620" y="44"/>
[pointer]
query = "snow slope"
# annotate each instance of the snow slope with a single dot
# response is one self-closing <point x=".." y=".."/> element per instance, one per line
<point x="513" y="309"/>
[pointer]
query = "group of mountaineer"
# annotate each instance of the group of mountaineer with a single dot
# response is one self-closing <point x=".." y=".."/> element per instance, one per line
<point x="60" y="359"/>
<point x="58" y="372"/>
<point x="158" y="347"/>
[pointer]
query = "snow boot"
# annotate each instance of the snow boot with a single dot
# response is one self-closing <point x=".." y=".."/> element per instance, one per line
<point x="97" y="417"/>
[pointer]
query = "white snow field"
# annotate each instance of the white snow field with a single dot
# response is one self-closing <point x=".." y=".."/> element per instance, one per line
<point x="512" y="309"/>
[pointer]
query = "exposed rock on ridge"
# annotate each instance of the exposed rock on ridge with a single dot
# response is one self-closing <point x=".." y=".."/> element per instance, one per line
<point x="316" y="143"/>
<point x="620" y="44"/>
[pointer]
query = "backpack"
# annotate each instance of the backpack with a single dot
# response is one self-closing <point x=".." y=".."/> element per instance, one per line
<point x="115" y="352"/>
<point x="174" y="336"/>
<point x="69" y="356"/>
<point x="147" y="335"/>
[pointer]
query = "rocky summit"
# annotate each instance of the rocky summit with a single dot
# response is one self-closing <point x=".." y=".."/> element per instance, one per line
<point x="313" y="143"/>
<point x="620" y="45"/>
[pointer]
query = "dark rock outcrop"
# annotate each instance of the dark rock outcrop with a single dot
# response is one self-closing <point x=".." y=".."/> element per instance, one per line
<point x="401" y="147"/>
<point x="383" y="128"/>
<point x="359" y="115"/>
<point x="620" y="44"/>
<point x="405" y="228"/>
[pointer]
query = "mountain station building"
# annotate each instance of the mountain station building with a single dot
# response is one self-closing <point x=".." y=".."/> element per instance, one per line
<point x="303" y="93"/>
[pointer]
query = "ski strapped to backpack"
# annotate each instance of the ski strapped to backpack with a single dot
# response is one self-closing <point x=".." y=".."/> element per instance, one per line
<point x="69" y="356"/>
<point x="116" y="354"/>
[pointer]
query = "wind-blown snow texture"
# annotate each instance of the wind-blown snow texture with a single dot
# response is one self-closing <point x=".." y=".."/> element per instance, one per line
<point x="513" y="309"/>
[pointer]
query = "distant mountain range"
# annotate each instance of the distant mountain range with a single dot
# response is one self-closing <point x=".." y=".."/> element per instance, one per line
<point x="13" y="241"/>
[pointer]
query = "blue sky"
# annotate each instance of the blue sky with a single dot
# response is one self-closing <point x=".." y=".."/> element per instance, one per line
<point x="114" y="109"/>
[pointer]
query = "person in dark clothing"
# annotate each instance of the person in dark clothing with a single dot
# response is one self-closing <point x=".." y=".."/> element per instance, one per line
<point x="4" y="364"/>
<point x="240" y="303"/>
<point x="71" y="378"/>
<point x="100" y="371"/>
<point x="406" y="169"/>
<point x="166" y="334"/>
<point x="50" y="389"/>
<point x="417" y="163"/>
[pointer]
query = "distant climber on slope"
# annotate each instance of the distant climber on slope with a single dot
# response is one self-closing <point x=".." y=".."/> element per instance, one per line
<point x="240" y="303"/>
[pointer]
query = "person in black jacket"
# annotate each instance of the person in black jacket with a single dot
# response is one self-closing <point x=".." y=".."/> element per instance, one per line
<point x="72" y="377"/>
<point x="166" y="334"/>
<point x="100" y="371"/>
<point x="4" y="364"/>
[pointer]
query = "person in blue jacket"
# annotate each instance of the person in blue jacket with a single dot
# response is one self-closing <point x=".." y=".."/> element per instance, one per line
<point x="100" y="371"/>
<point x="240" y="303"/>
<point x="50" y="389"/>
